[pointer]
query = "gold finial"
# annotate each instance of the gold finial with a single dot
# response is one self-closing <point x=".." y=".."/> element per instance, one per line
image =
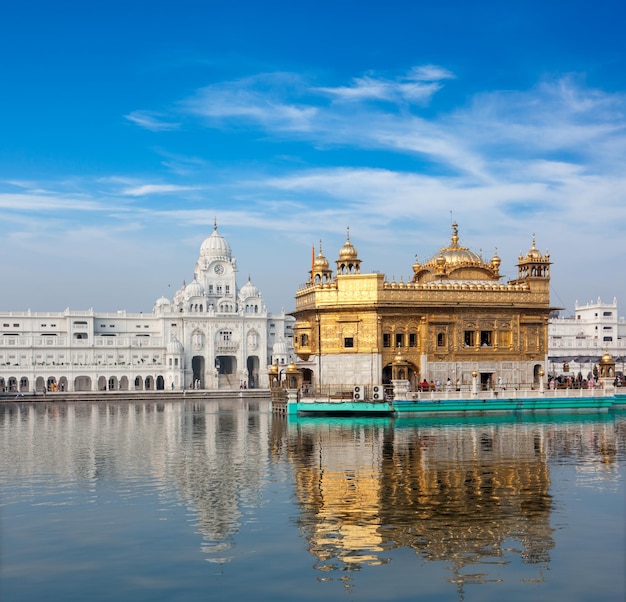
<point x="455" y="234"/>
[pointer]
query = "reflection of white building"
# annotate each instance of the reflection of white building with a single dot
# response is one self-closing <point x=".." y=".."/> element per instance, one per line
<point x="581" y="340"/>
<point x="211" y="335"/>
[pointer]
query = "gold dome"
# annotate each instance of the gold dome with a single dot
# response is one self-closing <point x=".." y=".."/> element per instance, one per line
<point x="496" y="261"/>
<point x="455" y="262"/>
<point x="455" y="254"/>
<point x="606" y="358"/>
<point x="320" y="261"/>
<point x="348" y="252"/>
<point x="534" y="254"/>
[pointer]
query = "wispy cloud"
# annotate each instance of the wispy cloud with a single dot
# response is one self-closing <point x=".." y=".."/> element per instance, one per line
<point x="47" y="203"/>
<point x="150" y="120"/>
<point x="146" y="189"/>
<point x="418" y="86"/>
<point x="430" y="73"/>
<point x="259" y="99"/>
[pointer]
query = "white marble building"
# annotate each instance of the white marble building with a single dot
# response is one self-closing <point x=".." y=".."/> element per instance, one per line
<point x="211" y="335"/>
<point x="582" y="339"/>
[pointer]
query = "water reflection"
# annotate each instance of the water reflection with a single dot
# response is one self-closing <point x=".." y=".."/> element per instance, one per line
<point x="471" y="495"/>
<point x="211" y="456"/>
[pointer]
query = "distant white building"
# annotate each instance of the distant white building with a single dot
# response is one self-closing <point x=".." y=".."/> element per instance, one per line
<point x="211" y="335"/>
<point x="581" y="340"/>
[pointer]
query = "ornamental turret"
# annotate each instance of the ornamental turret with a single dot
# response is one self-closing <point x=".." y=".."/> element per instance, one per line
<point x="348" y="262"/>
<point x="534" y="264"/>
<point x="320" y="268"/>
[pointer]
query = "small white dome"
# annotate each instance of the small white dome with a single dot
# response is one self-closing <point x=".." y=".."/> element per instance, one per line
<point x="248" y="290"/>
<point x="280" y="347"/>
<point x="175" y="347"/>
<point x="194" y="289"/>
<point x="161" y="301"/>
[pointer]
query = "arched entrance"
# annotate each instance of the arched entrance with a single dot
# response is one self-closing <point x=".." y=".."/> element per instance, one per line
<point x="307" y="380"/>
<point x="160" y="383"/>
<point x="149" y="385"/>
<point x="197" y="366"/>
<point x="40" y="384"/>
<point x="253" y="372"/>
<point x="124" y="383"/>
<point x="102" y="384"/>
<point x="23" y="384"/>
<point x="82" y="383"/>
<point x="226" y="364"/>
<point x="63" y="384"/>
<point x="409" y="372"/>
<point x="138" y="383"/>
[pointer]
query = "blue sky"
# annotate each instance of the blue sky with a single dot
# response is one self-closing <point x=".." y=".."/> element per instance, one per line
<point x="127" y="128"/>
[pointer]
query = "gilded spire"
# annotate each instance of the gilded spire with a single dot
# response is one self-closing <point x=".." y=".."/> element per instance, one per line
<point x="455" y="234"/>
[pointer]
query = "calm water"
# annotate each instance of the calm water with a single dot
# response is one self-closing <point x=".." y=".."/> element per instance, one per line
<point x="221" y="501"/>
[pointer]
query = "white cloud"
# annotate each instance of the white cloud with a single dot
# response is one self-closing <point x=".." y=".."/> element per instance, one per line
<point x="429" y="73"/>
<point x="151" y="121"/>
<point x="47" y="203"/>
<point x="409" y="88"/>
<point x="146" y="189"/>
<point x="258" y="99"/>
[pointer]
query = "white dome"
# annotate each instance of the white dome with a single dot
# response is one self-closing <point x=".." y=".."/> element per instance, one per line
<point x="161" y="301"/>
<point x="175" y="347"/>
<point x="279" y="348"/>
<point x="194" y="289"/>
<point x="248" y="290"/>
<point x="216" y="246"/>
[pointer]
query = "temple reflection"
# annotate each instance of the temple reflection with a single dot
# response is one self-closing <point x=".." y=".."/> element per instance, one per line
<point x="473" y="495"/>
<point x="209" y="456"/>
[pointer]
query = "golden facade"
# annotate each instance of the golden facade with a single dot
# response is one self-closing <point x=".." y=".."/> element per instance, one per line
<point x="454" y="317"/>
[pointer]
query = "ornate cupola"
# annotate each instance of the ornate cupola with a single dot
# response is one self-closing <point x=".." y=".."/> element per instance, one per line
<point x="320" y="269"/>
<point x="534" y="264"/>
<point x="533" y="271"/>
<point x="607" y="366"/>
<point x="348" y="262"/>
<point x="495" y="262"/>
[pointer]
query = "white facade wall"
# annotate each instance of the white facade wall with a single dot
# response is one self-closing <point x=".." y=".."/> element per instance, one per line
<point x="581" y="340"/>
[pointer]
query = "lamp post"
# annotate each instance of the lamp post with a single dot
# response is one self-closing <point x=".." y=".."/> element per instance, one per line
<point x="474" y="383"/>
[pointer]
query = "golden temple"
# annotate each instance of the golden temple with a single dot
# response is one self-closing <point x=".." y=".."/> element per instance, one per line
<point x="453" y="318"/>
